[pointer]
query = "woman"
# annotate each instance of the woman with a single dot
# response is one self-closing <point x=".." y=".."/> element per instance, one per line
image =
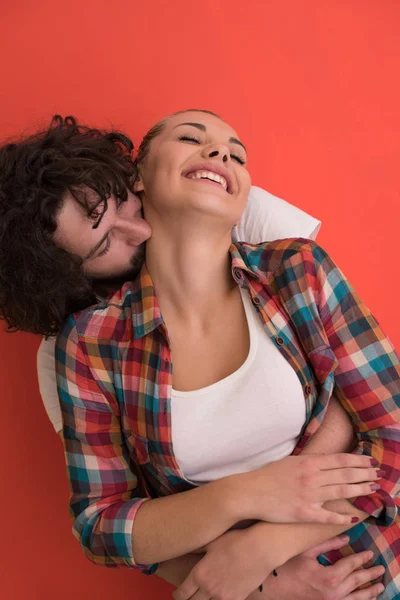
<point x="131" y="423"/>
<point x="73" y="166"/>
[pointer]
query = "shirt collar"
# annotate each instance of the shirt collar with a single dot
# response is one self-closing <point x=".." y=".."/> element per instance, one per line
<point x="146" y="313"/>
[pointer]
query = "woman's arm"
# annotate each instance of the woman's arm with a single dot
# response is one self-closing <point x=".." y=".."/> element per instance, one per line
<point x="113" y="520"/>
<point x="335" y="434"/>
<point x="367" y="376"/>
<point x="367" y="383"/>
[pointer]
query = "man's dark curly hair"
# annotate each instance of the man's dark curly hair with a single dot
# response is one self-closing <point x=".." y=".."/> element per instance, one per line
<point x="41" y="284"/>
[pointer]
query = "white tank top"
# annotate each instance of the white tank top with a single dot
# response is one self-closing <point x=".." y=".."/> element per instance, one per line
<point x="244" y="421"/>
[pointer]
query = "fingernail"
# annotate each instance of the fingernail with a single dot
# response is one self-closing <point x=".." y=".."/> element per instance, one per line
<point x="355" y="519"/>
<point x="375" y="486"/>
<point x="381" y="473"/>
<point x="381" y="570"/>
<point x="370" y="555"/>
<point x="374" y="462"/>
<point x="381" y="588"/>
<point x="344" y="538"/>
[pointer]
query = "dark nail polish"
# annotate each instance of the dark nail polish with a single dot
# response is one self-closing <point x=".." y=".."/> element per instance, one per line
<point x="375" y="486"/>
<point x="374" y="462"/>
<point x="381" y="473"/>
<point x="355" y="519"/>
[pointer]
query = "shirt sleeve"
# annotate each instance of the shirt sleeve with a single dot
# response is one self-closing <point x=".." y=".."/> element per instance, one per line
<point x="367" y="378"/>
<point x="46" y="370"/>
<point x="104" y="493"/>
<point x="267" y="217"/>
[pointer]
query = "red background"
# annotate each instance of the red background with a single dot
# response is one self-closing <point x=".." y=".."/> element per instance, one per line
<point x="313" y="89"/>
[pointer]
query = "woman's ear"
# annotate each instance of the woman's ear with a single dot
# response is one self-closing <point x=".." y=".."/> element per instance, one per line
<point x="138" y="185"/>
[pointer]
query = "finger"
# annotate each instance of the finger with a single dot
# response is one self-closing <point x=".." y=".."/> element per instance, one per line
<point x="335" y="492"/>
<point x="370" y="593"/>
<point x="187" y="589"/>
<point x="349" y="475"/>
<point x="359" y="578"/>
<point x="342" y="460"/>
<point x="346" y="566"/>
<point x="333" y="544"/>
<point x="322" y="515"/>
<point x="200" y="596"/>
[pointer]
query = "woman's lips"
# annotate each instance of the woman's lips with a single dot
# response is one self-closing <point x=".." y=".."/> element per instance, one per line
<point x="203" y="180"/>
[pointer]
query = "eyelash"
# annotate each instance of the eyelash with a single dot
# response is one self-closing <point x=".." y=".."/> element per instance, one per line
<point x="108" y="244"/>
<point x="106" y="249"/>
<point x="188" y="138"/>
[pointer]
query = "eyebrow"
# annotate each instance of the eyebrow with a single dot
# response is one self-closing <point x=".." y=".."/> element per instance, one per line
<point x="97" y="246"/>
<point x="202" y="127"/>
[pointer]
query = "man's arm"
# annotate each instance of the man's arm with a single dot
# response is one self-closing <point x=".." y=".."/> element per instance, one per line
<point x="283" y="541"/>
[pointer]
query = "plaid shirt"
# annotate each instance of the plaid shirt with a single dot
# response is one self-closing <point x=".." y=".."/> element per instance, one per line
<point x="115" y="378"/>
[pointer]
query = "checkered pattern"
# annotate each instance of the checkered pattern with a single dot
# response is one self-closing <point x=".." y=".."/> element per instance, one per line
<point x="115" y="378"/>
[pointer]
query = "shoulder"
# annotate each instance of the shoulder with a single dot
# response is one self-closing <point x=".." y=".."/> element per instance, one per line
<point x="269" y="257"/>
<point x="108" y="320"/>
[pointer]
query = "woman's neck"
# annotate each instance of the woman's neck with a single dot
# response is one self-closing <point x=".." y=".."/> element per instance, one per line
<point x="190" y="269"/>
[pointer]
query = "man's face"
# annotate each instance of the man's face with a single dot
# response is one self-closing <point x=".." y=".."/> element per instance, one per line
<point x="115" y="247"/>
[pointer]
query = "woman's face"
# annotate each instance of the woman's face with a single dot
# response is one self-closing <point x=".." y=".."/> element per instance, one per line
<point x="197" y="164"/>
<point x="115" y="247"/>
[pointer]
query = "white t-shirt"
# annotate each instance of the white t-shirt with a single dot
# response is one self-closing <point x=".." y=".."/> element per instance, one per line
<point x="266" y="218"/>
<point x="244" y="421"/>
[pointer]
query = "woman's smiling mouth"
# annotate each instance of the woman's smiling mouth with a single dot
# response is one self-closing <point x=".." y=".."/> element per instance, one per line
<point x="211" y="173"/>
<point x="209" y="176"/>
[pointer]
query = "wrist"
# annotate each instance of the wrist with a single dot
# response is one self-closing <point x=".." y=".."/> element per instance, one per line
<point x="265" y="540"/>
<point x="231" y="489"/>
<point x="176" y="570"/>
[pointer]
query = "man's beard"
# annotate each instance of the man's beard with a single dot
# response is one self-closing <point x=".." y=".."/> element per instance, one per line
<point x="108" y="285"/>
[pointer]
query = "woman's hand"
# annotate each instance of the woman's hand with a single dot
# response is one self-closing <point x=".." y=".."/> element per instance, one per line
<point x="228" y="571"/>
<point x="312" y="581"/>
<point x="294" y="489"/>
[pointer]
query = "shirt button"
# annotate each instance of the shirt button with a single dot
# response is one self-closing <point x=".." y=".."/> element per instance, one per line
<point x="256" y="301"/>
<point x="307" y="390"/>
<point x="238" y="273"/>
<point x="280" y="341"/>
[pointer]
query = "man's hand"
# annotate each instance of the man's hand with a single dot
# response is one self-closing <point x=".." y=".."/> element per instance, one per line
<point x="312" y="581"/>
<point x="228" y="571"/>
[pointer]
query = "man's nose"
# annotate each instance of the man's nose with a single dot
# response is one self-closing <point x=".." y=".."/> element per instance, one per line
<point x="218" y="151"/>
<point x="135" y="230"/>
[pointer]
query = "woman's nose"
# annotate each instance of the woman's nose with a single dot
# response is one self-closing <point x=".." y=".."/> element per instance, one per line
<point x="218" y="151"/>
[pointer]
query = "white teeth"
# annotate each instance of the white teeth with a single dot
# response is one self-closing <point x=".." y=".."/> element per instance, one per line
<point x="209" y="175"/>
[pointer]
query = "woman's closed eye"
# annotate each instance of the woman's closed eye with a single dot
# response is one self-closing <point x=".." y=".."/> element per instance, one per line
<point x="189" y="138"/>
<point x="194" y="140"/>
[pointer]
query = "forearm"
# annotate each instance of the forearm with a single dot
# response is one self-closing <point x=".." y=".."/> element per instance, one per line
<point x="176" y="570"/>
<point x="186" y="523"/>
<point x="336" y="434"/>
<point x="172" y="526"/>
<point x="290" y="539"/>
